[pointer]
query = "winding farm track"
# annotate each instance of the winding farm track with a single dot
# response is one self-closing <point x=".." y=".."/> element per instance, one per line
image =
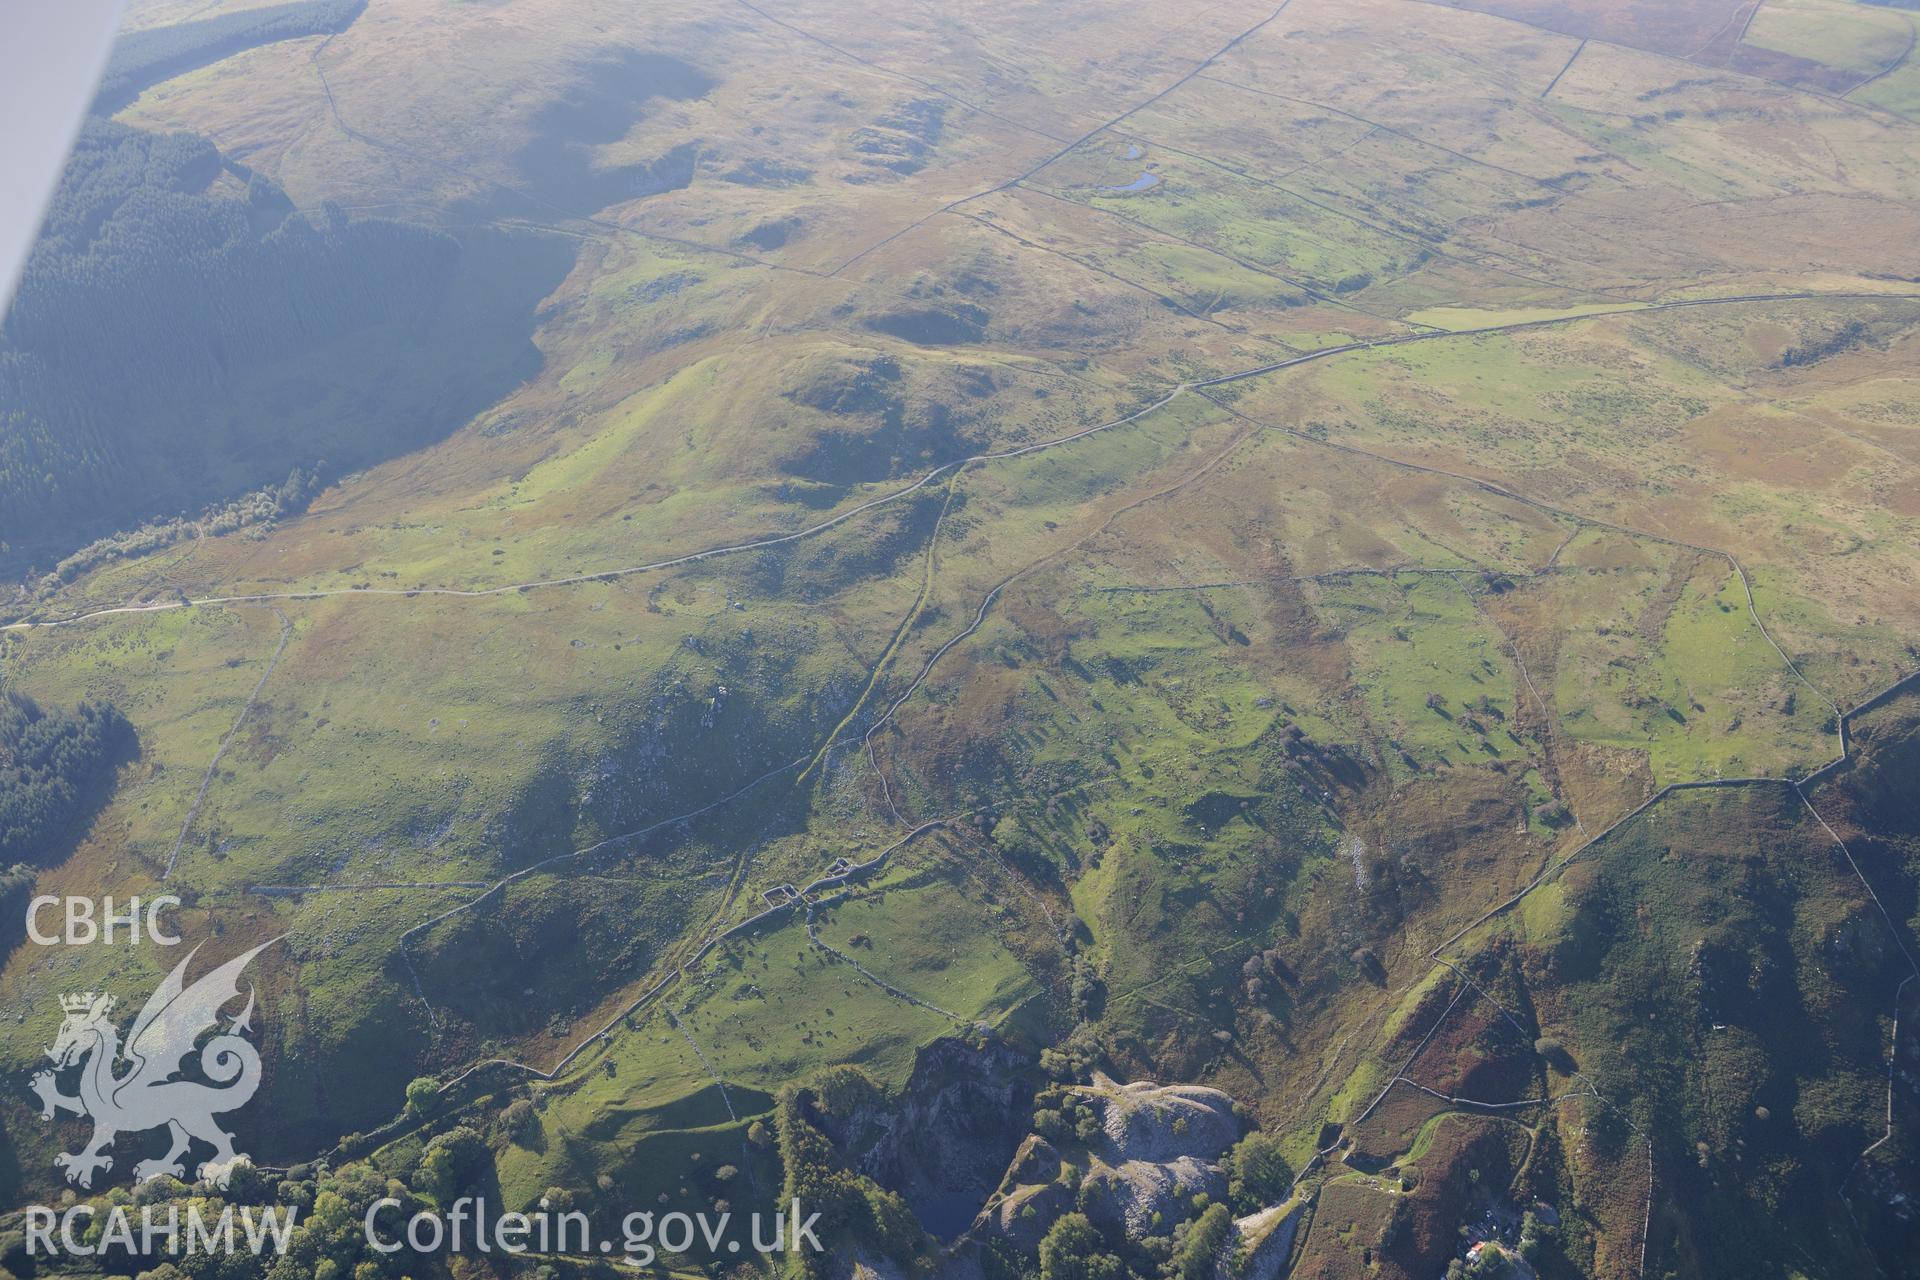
<point x="836" y="886"/>
<point x="717" y="933"/>
<point x="1436" y="955"/>
<point x="772" y="540"/>
<point x="1199" y="387"/>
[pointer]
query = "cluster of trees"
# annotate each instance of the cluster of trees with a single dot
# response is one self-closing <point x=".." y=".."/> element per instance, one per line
<point x="328" y="1240"/>
<point x="852" y="1207"/>
<point x="161" y="276"/>
<point x="53" y="764"/>
<point x="144" y="58"/>
<point x="261" y="507"/>
<point x="1078" y="1054"/>
<point x="1074" y="1249"/>
<point x="1258" y="1175"/>
<point x="1077" y="1248"/>
<point x="1061" y="1115"/>
<point x="855" y="1212"/>
<point x="1263" y="973"/>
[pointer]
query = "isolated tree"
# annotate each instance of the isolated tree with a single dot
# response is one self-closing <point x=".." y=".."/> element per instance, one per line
<point x="451" y="1162"/>
<point x="517" y="1119"/>
<point x="422" y="1093"/>
<point x="1550" y="1048"/>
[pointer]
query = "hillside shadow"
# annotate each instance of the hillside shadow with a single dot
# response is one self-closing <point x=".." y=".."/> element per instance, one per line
<point x="602" y="107"/>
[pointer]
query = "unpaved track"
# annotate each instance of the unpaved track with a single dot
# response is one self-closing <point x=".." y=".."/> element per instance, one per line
<point x="715" y="934"/>
<point x="775" y="540"/>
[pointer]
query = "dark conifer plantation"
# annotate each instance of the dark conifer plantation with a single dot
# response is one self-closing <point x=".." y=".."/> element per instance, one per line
<point x="182" y="335"/>
<point x="53" y="764"/>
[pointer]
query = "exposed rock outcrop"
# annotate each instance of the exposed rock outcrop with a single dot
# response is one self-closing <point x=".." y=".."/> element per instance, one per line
<point x="1160" y="1147"/>
<point x="1150" y="1150"/>
<point x="1262" y="1241"/>
<point x="943" y="1144"/>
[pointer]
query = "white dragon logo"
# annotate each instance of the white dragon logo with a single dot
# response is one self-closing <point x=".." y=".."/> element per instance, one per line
<point x="148" y="1096"/>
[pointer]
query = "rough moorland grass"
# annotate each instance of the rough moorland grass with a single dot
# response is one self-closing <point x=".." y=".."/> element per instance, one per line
<point x="1433" y="669"/>
<point x="1695" y="1008"/>
<point x="1705" y="694"/>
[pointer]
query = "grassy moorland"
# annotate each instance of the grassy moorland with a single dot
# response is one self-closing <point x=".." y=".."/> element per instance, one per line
<point x="1301" y="551"/>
